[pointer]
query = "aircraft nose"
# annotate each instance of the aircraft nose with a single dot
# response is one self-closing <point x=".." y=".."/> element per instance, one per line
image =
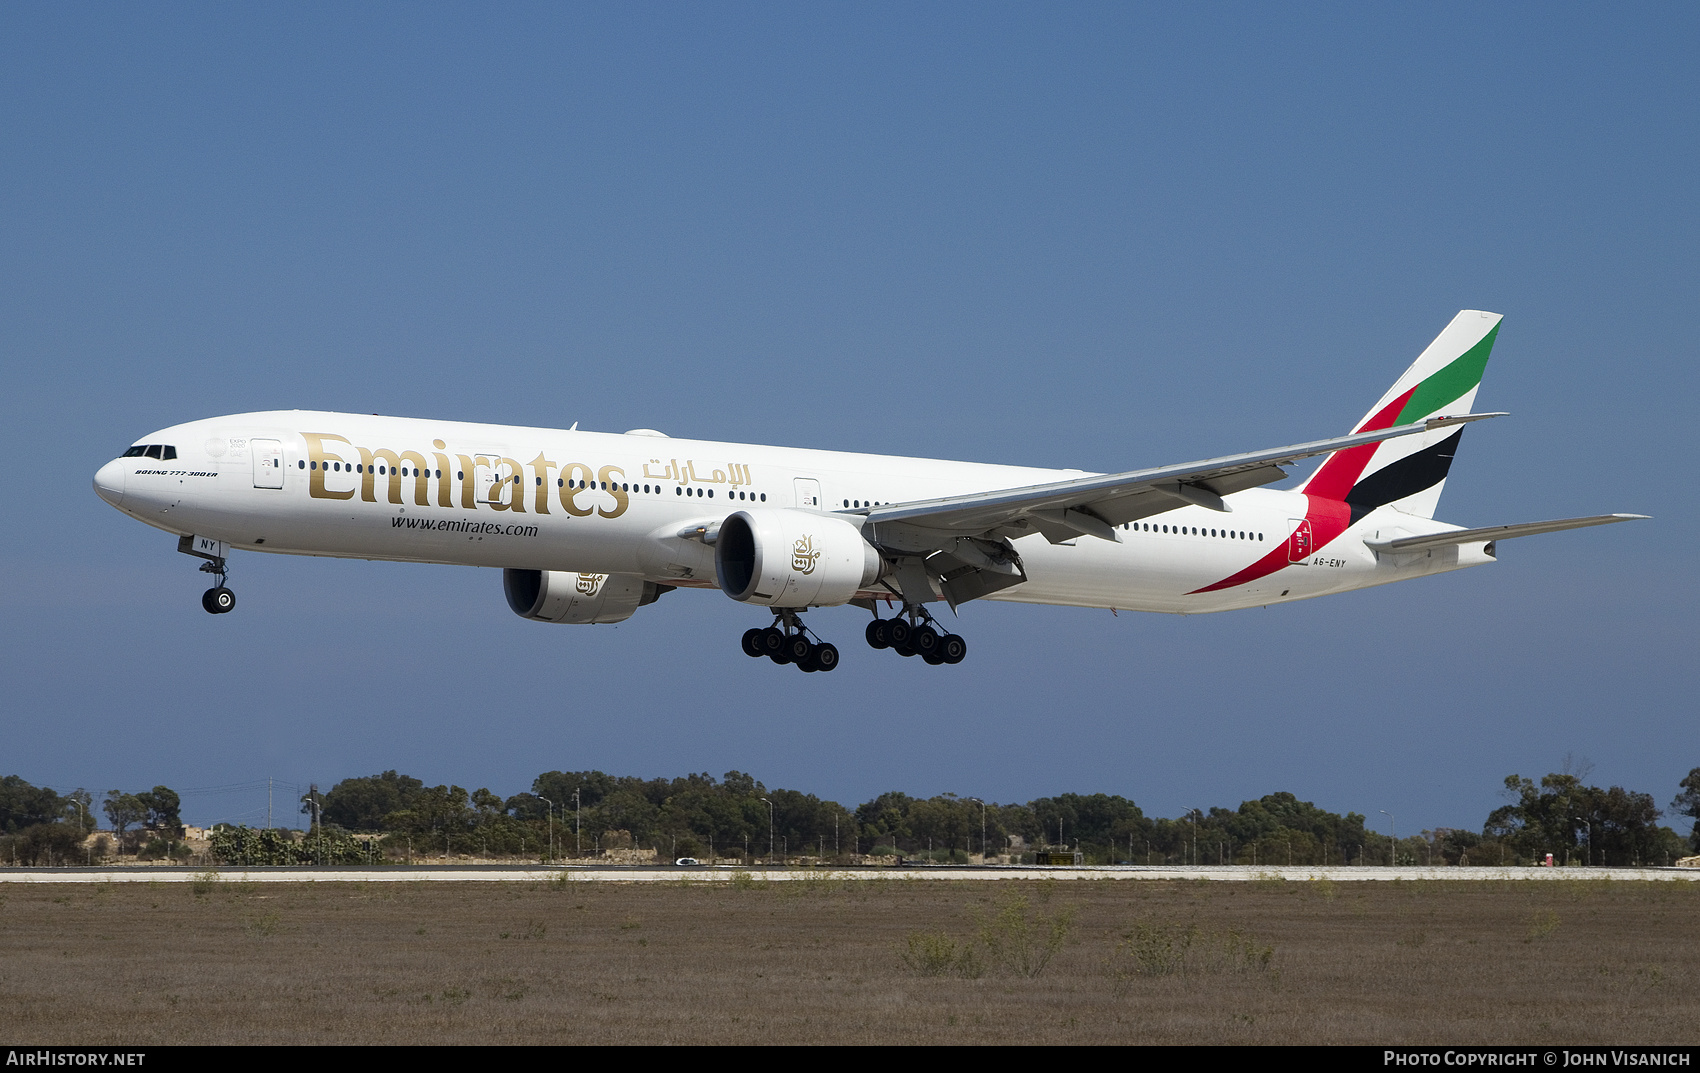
<point x="109" y="481"/>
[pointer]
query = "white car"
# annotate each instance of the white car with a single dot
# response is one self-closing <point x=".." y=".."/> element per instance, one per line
<point x="688" y="862"/>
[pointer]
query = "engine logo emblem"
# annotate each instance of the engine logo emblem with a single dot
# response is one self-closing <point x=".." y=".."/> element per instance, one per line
<point x="589" y="583"/>
<point x="803" y="555"/>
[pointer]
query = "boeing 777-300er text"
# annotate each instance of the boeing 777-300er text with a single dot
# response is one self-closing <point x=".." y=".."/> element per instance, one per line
<point x="588" y="527"/>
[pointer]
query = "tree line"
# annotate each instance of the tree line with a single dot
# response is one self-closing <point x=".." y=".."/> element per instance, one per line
<point x="569" y="814"/>
<point x="39" y="825"/>
<point x="580" y="813"/>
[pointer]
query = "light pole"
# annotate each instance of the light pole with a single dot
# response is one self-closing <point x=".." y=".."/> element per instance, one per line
<point x="982" y="828"/>
<point x="1393" y="856"/>
<point x="83" y="829"/>
<point x="551" y="805"/>
<point x="1569" y="829"/>
<point x="769" y="805"/>
<point x="1193" y="814"/>
<point x="578" y="812"/>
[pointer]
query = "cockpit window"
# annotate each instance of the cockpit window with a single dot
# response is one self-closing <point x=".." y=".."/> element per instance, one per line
<point x="162" y="451"/>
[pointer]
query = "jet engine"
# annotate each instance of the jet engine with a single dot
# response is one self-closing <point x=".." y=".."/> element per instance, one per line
<point x="793" y="558"/>
<point x="559" y="596"/>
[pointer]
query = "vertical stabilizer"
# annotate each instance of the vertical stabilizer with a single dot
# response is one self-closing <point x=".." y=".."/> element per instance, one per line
<point x="1409" y="472"/>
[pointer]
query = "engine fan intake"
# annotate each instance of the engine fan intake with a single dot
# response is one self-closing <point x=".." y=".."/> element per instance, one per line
<point x="793" y="558"/>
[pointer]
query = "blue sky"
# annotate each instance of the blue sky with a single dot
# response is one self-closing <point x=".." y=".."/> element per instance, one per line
<point x="1099" y="236"/>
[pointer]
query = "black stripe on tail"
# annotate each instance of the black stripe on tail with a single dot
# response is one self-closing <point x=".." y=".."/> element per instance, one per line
<point x="1406" y="477"/>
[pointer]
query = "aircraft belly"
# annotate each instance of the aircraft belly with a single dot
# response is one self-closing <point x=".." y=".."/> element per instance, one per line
<point x="1139" y="574"/>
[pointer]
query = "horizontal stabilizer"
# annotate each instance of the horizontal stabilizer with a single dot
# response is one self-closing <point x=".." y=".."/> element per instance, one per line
<point x="1495" y="532"/>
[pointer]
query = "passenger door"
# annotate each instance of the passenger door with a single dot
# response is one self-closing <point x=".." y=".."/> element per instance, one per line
<point x="1299" y="543"/>
<point x="268" y="463"/>
<point x="493" y="478"/>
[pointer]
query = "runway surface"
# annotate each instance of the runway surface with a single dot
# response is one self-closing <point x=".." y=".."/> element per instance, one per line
<point x="730" y="873"/>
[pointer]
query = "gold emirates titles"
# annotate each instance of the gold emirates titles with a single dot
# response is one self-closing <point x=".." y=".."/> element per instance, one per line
<point x="572" y="478"/>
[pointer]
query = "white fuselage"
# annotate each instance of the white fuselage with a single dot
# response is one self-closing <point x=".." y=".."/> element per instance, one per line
<point x="348" y="485"/>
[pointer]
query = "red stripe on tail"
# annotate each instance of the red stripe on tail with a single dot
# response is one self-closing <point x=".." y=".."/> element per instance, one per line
<point x="1335" y="477"/>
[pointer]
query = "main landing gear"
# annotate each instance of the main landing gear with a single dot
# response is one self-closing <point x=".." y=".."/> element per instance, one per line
<point x="919" y="635"/>
<point x="787" y="641"/>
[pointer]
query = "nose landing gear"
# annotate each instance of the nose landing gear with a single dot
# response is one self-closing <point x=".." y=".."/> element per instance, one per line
<point x="787" y="641"/>
<point x="217" y="600"/>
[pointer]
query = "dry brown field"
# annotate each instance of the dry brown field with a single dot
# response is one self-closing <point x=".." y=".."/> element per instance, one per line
<point x="851" y="962"/>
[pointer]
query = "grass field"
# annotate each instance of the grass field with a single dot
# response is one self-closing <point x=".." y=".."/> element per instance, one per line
<point x="861" y="962"/>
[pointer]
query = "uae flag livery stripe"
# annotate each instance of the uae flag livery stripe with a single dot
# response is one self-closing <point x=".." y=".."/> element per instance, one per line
<point x="1408" y="472"/>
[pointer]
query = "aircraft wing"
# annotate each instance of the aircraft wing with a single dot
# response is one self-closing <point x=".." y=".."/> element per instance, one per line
<point x="959" y="546"/>
<point x="1095" y="506"/>
<point x="1495" y="532"/>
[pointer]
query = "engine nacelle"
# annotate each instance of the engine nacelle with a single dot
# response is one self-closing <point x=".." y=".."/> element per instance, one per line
<point x="558" y="596"/>
<point x="793" y="558"/>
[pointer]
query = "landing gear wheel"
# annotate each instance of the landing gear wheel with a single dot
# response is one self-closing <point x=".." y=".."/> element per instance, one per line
<point x="218" y="601"/>
<point x="799" y="650"/>
<point x="824" y="659"/>
<point x="925" y="641"/>
<point x="935" y="657"/>
<point x="773" y="644"/>
<point x="952" y="648"/>
<point x="898" y="635"/>
<point x="752" y="642"/>
<point x="878" y="635"/>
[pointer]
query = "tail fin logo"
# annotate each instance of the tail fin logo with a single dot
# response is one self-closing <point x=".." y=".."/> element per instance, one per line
<point x="1410" y="471"/>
